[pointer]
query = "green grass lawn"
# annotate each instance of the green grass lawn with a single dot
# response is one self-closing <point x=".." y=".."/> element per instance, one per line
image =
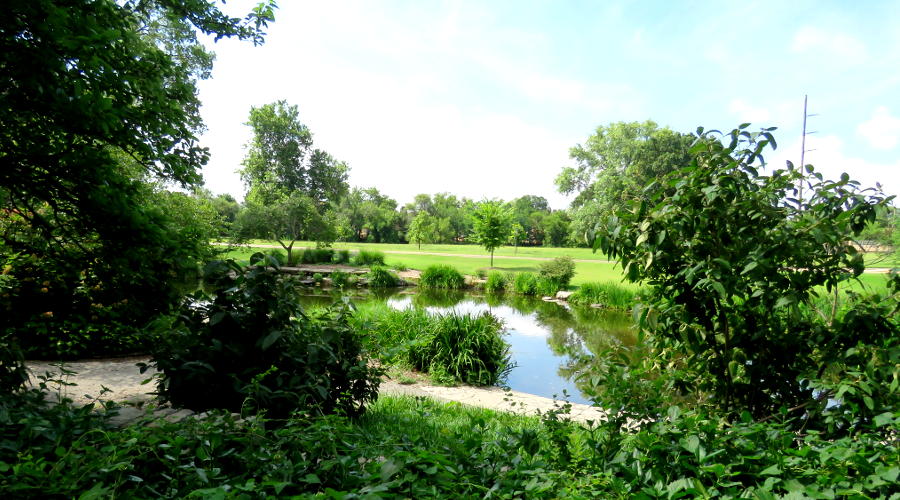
<point x="600" y="271"/>
<point x="538" y="252"/>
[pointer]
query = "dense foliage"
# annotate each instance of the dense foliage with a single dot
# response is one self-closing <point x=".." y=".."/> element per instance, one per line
<point x="247" y="343"/>
<point x="491" y="226"/>
<point x="734" y="260"/>
<point x="99" y="104"/>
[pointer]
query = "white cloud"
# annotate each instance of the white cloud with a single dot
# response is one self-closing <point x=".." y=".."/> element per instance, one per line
<point x="882" y="131"/>
<point x="809" y="39"/>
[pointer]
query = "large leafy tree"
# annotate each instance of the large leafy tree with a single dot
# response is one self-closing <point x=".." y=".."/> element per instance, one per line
<point x="737" y="263"/>
<point x="281" y="159"/>
<point x="614" y="166"/>
<point x="491" y="225"/>
<point x="99" y="97"/>
<point x="288" y="180"/>
<point x="372" y="216"/>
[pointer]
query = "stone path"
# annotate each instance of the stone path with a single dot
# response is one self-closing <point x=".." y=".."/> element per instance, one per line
<point x="123" y="379"/>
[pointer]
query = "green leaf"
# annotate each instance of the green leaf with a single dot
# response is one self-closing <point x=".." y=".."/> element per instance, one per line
<point x="719" y="288"/>
<point x="773" y="470"/>
<point x="883" y="419"/>
<point x="270" y="339"/>
<point x="749" y="267"/>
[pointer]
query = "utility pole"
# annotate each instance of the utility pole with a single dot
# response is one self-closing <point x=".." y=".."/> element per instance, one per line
<point x="803" y="149"/>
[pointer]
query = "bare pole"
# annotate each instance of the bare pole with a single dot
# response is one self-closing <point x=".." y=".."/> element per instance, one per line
<point x="803" y="149"/>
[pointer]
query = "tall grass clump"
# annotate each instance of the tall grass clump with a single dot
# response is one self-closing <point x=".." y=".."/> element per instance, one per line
<point x="496" y="282"/>
<point x="609" y="294"/>
<point x="368" y="258"/>
<point x="525" y="284"/>
<point x="463" y="348"/>
<point x="341" y="257"/>
<point x="317" y="256"/>
<point x="451" y="348"/>
<point x="380" y="277"/>
<point x="443" y="277"/>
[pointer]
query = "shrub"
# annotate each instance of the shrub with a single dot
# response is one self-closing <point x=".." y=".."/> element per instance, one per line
<point x="380" y="277"/>
<point x="339" y="279"/>
<point x="496" y="282"/>
<point x="249" y="343"/>
<point x="525" y="283"/>
<point x="368" y="258"/>
<point x="317" y="277"/>
<point x="560" y="271"/>
<point x="341" y="257"/>
<point x="609" y="294"/>
<point x="442" y="277"/>
<point x="317" y="256"/>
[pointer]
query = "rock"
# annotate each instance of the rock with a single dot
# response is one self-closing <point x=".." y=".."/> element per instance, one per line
<point x="563" y="295"/>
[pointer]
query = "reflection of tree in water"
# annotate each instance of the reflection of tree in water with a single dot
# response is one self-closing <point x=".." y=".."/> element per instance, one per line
<point x="602" y="333"/>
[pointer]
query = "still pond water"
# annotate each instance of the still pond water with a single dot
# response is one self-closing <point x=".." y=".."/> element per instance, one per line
<point x="551" y="344"/>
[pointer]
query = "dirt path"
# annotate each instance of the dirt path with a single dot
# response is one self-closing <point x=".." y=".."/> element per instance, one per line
<point x="124" y="381"/>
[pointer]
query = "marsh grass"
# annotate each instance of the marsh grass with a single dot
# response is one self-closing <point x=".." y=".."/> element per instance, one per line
<point x="442" y="277"/>
<point x="368" y="258"/>
<point x="451" y="347"/>
<point x="496" y="282"/>
<point x="380" y="277"/>
<point x="608" y="294"/>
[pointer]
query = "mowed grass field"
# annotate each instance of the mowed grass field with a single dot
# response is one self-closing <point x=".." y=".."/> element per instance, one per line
<point x="596" y="269"/>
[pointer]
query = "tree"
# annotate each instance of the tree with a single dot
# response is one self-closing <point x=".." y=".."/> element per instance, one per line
<point x="736" y="262"/>
<point x="289" y="181"/>
<point x="422" y="229"/>
<point x="615" y="164"/>
<point x="295" y="217"/>
<point x="280" y="159"/>
<point x="98" y="99"/>
<point x="555" y="227"/>
<point x="372" y="216"/>
<point x="491" y="225"/>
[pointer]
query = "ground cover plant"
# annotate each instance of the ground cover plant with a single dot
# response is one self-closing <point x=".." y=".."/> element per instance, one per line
<point x="442" y="277"/>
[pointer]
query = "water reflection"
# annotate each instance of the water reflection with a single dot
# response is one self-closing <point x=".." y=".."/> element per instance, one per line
<point x="551" y="343"/>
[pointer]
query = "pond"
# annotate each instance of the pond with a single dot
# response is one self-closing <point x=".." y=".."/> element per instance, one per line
<point x="551" y="344"/>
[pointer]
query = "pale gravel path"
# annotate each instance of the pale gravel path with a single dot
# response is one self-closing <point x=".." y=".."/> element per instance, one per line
<point x="123" y="378"/>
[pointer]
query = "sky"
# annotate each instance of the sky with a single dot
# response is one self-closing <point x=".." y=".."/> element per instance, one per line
<point x="485" y="99"/>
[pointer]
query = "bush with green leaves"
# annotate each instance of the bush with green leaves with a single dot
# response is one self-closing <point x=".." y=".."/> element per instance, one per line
<point x="559" y="271"/>
<point x="381" y="277"/>
<point x="442" y="276"/>
<point x="731" y="256"/>
<point x="496" y="282"/>
<point x="368" y="258"/>
<point x="249" y="344"/>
